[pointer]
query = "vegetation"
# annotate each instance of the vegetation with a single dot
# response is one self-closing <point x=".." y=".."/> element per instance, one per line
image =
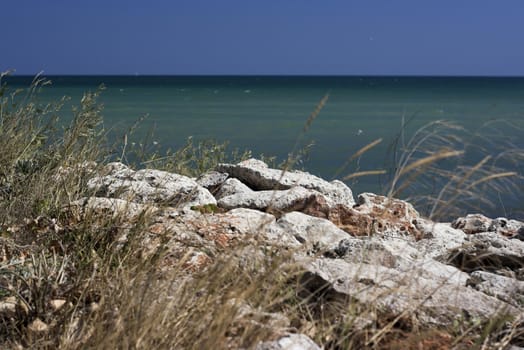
<point x="447" y="171"/>
<point x="69" y="283"/>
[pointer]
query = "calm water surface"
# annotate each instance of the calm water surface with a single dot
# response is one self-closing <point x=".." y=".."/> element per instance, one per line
<point x="267" y="114"/>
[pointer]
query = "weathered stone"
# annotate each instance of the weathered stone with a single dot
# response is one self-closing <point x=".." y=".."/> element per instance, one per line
<point x="233" y="187"/>
<point x="37" y="326"/>
<point x="438" y="238"/>
<point x="57" y="304"/>
<point x="506" y="227"/>
<point x="488" y="251"/>
<point x="311" y="231"/>
<point x="150" y="186"/>
<point x="109" y="206"/>
<point x="477" y="223"/>
<point x="212" y="180"/>
<point x="258" y="176"/>
<point x="196" y="261"/>
<point x="404" y="255"/>
<point x="246" y="221"/>
<point x="8" y="307"/>
<point x="289" y="342"/>
<point x="507" y="289"/>
<point x="472" y="223"/>
<point x="295" y="199"/>
<point x="293" y="230"/>
<point x="368" y="251"/>
<point x="432" y="300"/>
<point x="373" y="214"/>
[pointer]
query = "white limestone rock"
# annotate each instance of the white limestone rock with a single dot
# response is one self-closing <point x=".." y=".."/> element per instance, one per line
<point x="438" y="238"/>
<point x="434" y="300"/>
<point x="232" y="187"/>
<point x="113" y="206"/>
<point x="295" y="199"/>
<point x="247" y="221"/>
<point x="507" y="289"/>
<point x="150" y="186"/>
<point x="212" y="180"/>
<point x="311" y="231"/>
<point x="258" y="176"/>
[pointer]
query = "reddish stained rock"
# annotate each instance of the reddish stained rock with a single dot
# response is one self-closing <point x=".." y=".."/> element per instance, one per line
<point x="197" y="262"/>
<point x="222" y="240"/>
<point x="158" y="228"/>
<point x="217" y="231"/>
<point x="372" y="214"/>
<point x="354" y="222"/>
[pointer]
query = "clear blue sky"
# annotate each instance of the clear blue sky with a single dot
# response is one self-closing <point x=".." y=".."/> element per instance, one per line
<point x="392" y="37"/>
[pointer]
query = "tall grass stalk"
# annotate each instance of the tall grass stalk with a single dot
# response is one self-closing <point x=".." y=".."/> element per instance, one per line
<point x="447" y="171"/>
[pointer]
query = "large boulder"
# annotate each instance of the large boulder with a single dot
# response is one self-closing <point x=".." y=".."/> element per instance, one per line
<point x="112" y="207"/>
<point x="232" y="187"/>
<point x="399" y="254"/>
<point x="258" y="176"/>
<point x="371" y="215"/>
<point x="149" y="186"/>
<point x="433" y="299"/>
<point x="295" y="199"/>
<point x="504" y="288"/>
<point x="311" y="232"/>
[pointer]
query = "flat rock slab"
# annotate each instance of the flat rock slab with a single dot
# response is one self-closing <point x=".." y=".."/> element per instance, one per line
<point x="150" y="186"/>
<point x="490" y="252"/>
<point x="114" y="207"/>
<point x="396" y="253"/>
<point x="507" y="289"/>
<point x="433" y="300"/>
<point x="232" y="187"/>
<point x="246" y="221"/>
<point x="295" y="199"/>
<point x="310" y="231"/>
<point x="438" y="239"/>
<point x="258" y="176"/>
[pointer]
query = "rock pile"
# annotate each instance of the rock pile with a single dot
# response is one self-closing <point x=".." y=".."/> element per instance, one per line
<point x="377" y="250"/>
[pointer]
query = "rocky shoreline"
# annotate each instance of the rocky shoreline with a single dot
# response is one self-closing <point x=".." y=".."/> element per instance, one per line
<point x="375" y="250"/>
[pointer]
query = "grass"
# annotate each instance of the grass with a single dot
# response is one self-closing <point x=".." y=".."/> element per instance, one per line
<point x="446" y="171"/>
<point x="69" y="281"/>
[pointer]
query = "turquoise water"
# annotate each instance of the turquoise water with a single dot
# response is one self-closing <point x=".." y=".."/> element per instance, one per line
<point x="267" y="114"/>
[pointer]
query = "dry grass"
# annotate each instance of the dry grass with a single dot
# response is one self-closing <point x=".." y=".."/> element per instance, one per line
<point x="447" y="171"/>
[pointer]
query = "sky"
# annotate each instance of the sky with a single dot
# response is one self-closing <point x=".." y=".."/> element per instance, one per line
<point x="263" y="37"/>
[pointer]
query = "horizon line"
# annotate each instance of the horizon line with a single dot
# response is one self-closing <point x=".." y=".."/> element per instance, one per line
<point x="270" y="75"/>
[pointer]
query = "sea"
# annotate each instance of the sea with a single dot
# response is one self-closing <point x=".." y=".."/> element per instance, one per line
<point x="280" y="115"/>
